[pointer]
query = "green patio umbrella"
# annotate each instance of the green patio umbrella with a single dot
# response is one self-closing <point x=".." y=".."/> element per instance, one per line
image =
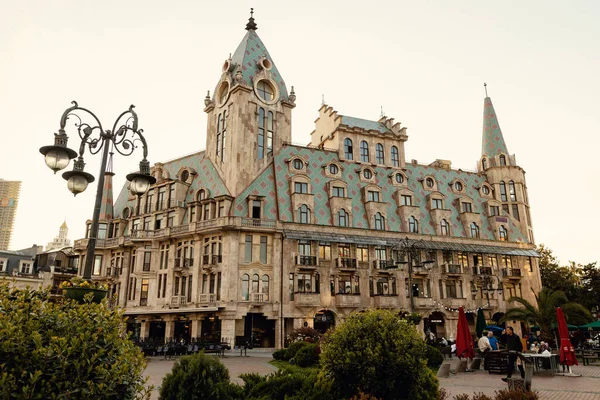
<point x="593" y="325"/>
<point x="554" y="326"/>
<point x="480" y="324"/>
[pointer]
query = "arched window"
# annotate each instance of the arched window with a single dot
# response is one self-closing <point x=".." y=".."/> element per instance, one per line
<point x="265" y="287"/>
<point x="379" y="156"/>
<point x="245" y="287"/>
<point x="364" y="151"/>
<point x="261" y="133"/>
<point x="502" y="159"/>
<point x="484" y="163"/>
<point x="444" y="228"/>
<point x="502" y="233"/>
<point x="379" y="222"/>
<point x="348" y="150"/>
<point x="511" y="191"/>
<point x="221" y="135"/>
<point x="395" y="157"/>
<point x="304" y="214"/>
<point x="474" y="230"/>
<point x="201" y="194"/>
<point x="342" y="217"/>
<point x="503" y="191"/>
<point x="255" y="282"/>
<point x="413" y="225"/>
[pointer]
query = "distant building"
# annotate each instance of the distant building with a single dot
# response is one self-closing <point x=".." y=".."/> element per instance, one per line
<point x="9" y="199"/>
<point x="256" y="236"/>
<point x="18" y="268"/>
<point x="57" y="265"/>
<point x="61" y="240"/>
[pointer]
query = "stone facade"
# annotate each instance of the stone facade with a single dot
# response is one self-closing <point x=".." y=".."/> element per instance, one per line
<point x="255" y="237"/>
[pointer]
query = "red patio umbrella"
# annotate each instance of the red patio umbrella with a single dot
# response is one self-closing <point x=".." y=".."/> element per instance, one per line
<point x="464" y="343"/>
<point x="567" y="352"/>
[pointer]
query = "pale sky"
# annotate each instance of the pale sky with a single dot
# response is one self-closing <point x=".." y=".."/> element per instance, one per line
<point x="425" y="64"/>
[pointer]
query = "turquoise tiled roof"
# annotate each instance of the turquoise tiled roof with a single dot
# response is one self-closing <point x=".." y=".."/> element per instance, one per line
<point x="493" y="141"/>
<point x="263" y="185"/>
<point x="248" y="54"/>
<point x="364" y="124"/>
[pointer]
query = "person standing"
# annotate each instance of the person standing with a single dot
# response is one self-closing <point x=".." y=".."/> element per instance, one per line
<point x="514" y="346"/>
<point x="484" y="347"/>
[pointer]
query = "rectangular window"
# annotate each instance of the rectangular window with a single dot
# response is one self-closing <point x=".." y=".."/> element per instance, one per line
<point x="304" y="248"/>
<point x="218" y="286"/>
<point x="362" y="253"/>
<point x="300" y="187"/>
<point x="332" y="285"/>
<point x="505" y="208"/>
<point x="256" y="209"/>
<point x="147" y="259"/>
<point x="159" y="286"/>
<point x="380" y="254"/>
<point x="164" y="256"/>
<point x="462" y="259"/>
<point x="447" y="256"/>
<point x="248" y="249"/>
<point x="263" y="249"/>
<point x="211" y="284"/>
<point x="206" y="212"/>
<point x="406" y="200"/>
<point x="372" y="196"/>
<point x="97" y="265"/>
<point x="325" y="251"/>
<point x="451" y="289"/>
<point x="477" y="260"/>
<point x="492" y="261"/>
<point x="436" y="204"/>
<point x="101" y="231"/>
<point x="515" y="212"/>
<point x="529" y="264"/>
<point x="338" y="191"/>
<point x="183" y="285"/>
<point x="189" y="291"/>
<point x="176" y="287"/>
<point x="171" y="220"/>
<point x="291" y="287"/>
<point x="505" y="261"/>
<point x="144" y="292"/>
<point x="131" y="289"/>
<point x="494" y="210"/>
<point x="467" y="207"/>
<point x="343" y="251"/>
<point x="147" y="223"/>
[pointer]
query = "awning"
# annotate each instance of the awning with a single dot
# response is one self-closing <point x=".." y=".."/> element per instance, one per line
<point x="423" y="244"/>
<point x="171" y="311"/>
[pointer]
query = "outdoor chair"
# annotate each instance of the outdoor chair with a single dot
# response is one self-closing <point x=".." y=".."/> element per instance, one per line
<point x="589" y="356"/>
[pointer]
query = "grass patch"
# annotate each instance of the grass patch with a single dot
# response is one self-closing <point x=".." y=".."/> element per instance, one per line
<point x="286" y="366"/>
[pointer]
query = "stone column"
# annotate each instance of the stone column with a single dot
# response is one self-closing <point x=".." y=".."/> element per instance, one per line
<point x="145" y="329"/>
<point x="169" y="329"/>
<point x="228" y="331"/>
<point x="196" y="327"/>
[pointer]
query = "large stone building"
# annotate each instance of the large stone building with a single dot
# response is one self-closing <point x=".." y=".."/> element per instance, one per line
<point x="255" y="236"/>
<point x="61" y="240"/>
<point x="9" y="200"/>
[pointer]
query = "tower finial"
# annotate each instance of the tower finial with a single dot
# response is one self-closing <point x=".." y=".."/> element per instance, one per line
<point x="485" y="88"/>
<point x="251" y="25"/>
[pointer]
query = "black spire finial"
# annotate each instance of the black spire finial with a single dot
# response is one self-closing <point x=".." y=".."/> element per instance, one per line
<point x="485" y="87"/>
<point x="251" y="25"/>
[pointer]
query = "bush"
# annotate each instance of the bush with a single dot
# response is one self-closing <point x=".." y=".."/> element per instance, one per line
<point x="378" y="353"/>
<point x="305" y="334"/>
<point x="280" y="355"/>
<point x="65" y="349"/>
<point x="434" y="357"/>
<point x="293" y="349"/>
<point x="500" y="395"/>
<point x="307" y="356"/>
<point x="198" y="377"/>
<point x="284" y="384"/>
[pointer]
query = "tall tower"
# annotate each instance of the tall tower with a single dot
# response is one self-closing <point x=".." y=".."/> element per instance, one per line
<point x="249" y="114"/>
<point x="503" y="173"/>
<point x="9" y="199"/>
<point x="61" y="240"/>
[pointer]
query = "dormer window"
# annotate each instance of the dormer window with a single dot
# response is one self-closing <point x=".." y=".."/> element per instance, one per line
<point x="342" y="218"/>
<point x="304" y="214"/>
<point x="484" y="163"/>
<point x="399" y="178"/>
<point x="485" y="189"/>
<point x="379" y="222"/>
<point x="437" y="204"/>
<point x="265" y="90"/>
<point x="444" y="228"/>
<point x="413" y="224"/>
<point x="300" y="187"/>
<point x="458" y="186"/>
<point x="430" y="183"/>
<point x="298" y="164"/>
<point x="502" y="159"/>
<point x="494" y="211"/>
<point x="406" y="200"/>
<point x="333" y="169"/>
<point x="372" y="195"/>
<point x="223" y="93"/>
<point x="337" y="191"/>
<point x="474" y="230"/>
<point x="467" y="207"/>
<point x="367" y="174"/>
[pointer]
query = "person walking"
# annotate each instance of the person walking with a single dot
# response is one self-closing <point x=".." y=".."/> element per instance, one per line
<point x="514" y="346"/>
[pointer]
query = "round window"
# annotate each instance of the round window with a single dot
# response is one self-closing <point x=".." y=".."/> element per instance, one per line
<point x="126" y="212"/>
<point x="399" y="178"/>
<point x="265" y="63"/>
<point x="226" y="66"/>
<point x="485" y="189"/>
<point x="265" y="90"/>
<point x="458" y="186"/>
<point x="429" y="182"/>
<point x="367" y="174"/>
<point x="298" y="164"/>
<point x="333" y="169"/>
<point x="223" y="93"/>
<point x="185" y="175"/>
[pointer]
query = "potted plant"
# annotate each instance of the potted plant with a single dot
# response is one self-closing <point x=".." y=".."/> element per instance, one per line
<point x="77" y="288"/>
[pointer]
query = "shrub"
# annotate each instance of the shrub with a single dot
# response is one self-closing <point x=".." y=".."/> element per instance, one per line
<point x="293" y="349"/>
<point x="307" y="356"/>
<point x="515" y="395"/>
<point x="378" y="353"/>
<point x="434" y="357"/>
<point x="280" y="355"/>
<point x="65" y="349"/>
<point x="284" y="384"/>
<point x="305" y="334"/>
<point x="198" y="377"/>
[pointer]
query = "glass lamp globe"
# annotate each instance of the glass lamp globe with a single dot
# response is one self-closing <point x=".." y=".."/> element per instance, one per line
<point x="77" y="184"/>
<point x="139" y="185"/>
<point x="57" y="159"/>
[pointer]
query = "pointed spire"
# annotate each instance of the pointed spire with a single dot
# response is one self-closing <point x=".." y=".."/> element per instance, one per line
<point x="251" y="25"/>
<point x="106" y="207"/>
<point x="493" y="141"/>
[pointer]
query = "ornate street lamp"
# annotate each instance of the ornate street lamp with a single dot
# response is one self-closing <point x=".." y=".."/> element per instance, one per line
<point x="412" y="250"/>
<point x="486" y="284"/>
<point x="95" y="138"/>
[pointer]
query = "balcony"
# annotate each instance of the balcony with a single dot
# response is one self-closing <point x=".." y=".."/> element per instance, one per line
<point x="384" y="264"/>
<point x="209" y="260"/>
<point x="345" y="263"/>
<point x="304" y="299"/>
<point x="482" y="270"/>
<point x="385" y="301"/>
<point x="208" y="298"/>
<point x="262" y="223"/>
<point x="348" y="300"/>
<point x="80" y="244"/>
<point x="454" y="302"/>
<point x="452" y="269"/>
<point x="184" y="262"/>
<point x="307" y="261"/>
<point x="423" y="302"/>
<point x="180" y="229"/>
<point x="176" y="203"/>
<point x="258" y="297"/>
<point x="178" y="301"/>
<point x="512" y="273"/>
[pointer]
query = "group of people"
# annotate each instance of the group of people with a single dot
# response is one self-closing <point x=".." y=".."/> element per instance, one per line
<point x="512" y="341"/>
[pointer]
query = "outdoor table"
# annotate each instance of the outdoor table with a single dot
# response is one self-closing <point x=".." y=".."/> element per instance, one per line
<point x="536" y="358"/>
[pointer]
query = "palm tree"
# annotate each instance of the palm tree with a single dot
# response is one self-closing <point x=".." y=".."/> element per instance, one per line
<point x="543" y="313"/>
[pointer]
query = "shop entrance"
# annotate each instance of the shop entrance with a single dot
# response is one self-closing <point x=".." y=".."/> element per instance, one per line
<point x="211" y="329"/>
<point x="182" y="331"/>
<point x="324" y="320"/>
<point x="436" y="324"/>
<point x="258" y="330"/>
<point x="157" y="331"/>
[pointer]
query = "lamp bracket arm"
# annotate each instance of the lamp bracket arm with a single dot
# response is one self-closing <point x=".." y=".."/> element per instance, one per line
<point x="71" y="111"/>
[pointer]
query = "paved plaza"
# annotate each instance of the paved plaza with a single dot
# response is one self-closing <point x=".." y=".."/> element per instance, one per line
<point x="586" y="387"/>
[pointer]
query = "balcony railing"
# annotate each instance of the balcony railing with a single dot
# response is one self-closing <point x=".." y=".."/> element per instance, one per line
<point x="176" y="203"/>
<point x="207" y="298"/>
<point x="348" y="300"/>
<point x="482" y="270"/>
<point x="184" y="262"/>
<point x="384" y="264"/>
<point x="512" y="272"/>
<point x="344" y="262"/>
<point x="180" y="228"/>
<point x="177" y="301"/>
<point x="258" y="297"/>
<point x="306" y="260"/>
<point x="263" y="223"/>
<point x="208" y="259"/>
<point x="453" y="269"/>
<point x="307" y="299"/>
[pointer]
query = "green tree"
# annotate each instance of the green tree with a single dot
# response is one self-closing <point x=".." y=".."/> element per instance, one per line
<point x="66" y="350"/>
<point x="556" y="277"/>
<point x="543" y="313"/>
<point x="379" y="354"/>
<point x="590" y="286"/>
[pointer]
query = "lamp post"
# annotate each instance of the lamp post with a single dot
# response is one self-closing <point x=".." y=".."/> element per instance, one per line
<point x="95" y="138"/>
<point x="412" y="250"/>
<point x="487" y="286"/>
